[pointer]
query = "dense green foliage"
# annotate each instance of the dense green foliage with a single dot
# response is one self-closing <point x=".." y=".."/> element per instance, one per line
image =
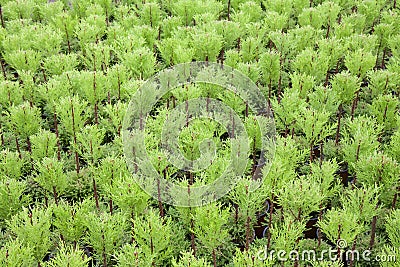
<point x="329" y="69"/>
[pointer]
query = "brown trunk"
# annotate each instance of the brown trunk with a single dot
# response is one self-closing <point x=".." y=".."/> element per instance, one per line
<point x="373" y="230"/>
<point x="55" y="195"/>
<point x="67" y="36"/>
<point x="104" y="253"/>
<point x="248" y="233"/>
<point x="311" y="152"/>
<point x="1" y="136"/>
<point x="353" y="248"/>
<point x="160" y="206"/>
<point x="192" y="238"/>
<point x="354" y="106"/>
<point x="28" y="144"/>
<point x="1" y="17"/>
<point x="96" y="196"/>
<point x="214" y="258"/>
<point x="3" y="69"/>
<point x="229" y="10"/>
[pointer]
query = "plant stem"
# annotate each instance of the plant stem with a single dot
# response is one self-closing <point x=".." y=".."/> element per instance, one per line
<point x="96" y="196"/>
<point x="57" y="135"/>
<point x="229" y="10"/>
<point x="354" y="106"/>
<point x="28" y="144"/>
<point x="18" y="148"/>
<point x="353" y="248"/>
<point x="214" y="257"/>
<point x="67" y="36"/>
<point x="321" y="153"/>
<point x="104" y="252"/>
<point x="1" y="136"/>
<point x="338" y="251"/>
<point x="373" y="231"/>
<point x="1" y="17"/>
<point x="96" y="116"/>
<point x="319" y="218"/>
<point x="311" y="151"/>
<point x="248" y="220"/>
<point x="160" y="206"/>
<point x="75" y="142"/>
<point x="271" y="209"/>
<point x="55" y="195"/>
<point x="3" y="69"/>
<point x="339" y="116"/>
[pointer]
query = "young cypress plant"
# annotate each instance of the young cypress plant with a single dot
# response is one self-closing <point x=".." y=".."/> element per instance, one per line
<point x="11" y="94"/>
<point x="252" y="258"/>
<point x="341" y="224"/>
<point x="51" y="93"/>
<point x="72" y="116"/>
<point x="299" y="198"/>
<point x="10" y="164"/>
<point x="89" y="141"/>
<point x="12" y="196"/>
<point x="188" y="259"/>
<point x="66" y="23"/>
<point x="392" y="225"/>
<point x="32" y="227"/>
<point x="44" y="144"/>
<point x="247" y="12"/>
<point x="132" y="255"/>
<point x="312" y="63"/>
<point x="359" y="63"/>
<point x="106" y="234"/>
<point x="287" y="157"/>
<point x="153" y="235"/>
<point x="127" y="196"/>
<point x="16" y="253"/>
<point x="117" y="75"/>
<point x="18" y="116"/>
<point x="269" y="65"/>
<point x="315" y="125"/>
<point x="69" y="256"/>
<point x="206" y="44"/>
<point x="51" y="177"/>
<point x="97" y="56"/>
<point x="360" y="139"/>
<point x="210" y="228"/>
<point x="90" y="30"/>
<point x="383" y="171"/>
<point x="379" y="82"/>
<point x="185" y="10"/>
<point x="115" y="114"/>
<point x="345" y="86"/>
<point x="91" y="85"/>
<point x="385" y="109"/>
<point x="249" y="202"/>
<point x="69" y="220"/>
<point x="285" y="234"/>
<point x="287" y="110"/>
